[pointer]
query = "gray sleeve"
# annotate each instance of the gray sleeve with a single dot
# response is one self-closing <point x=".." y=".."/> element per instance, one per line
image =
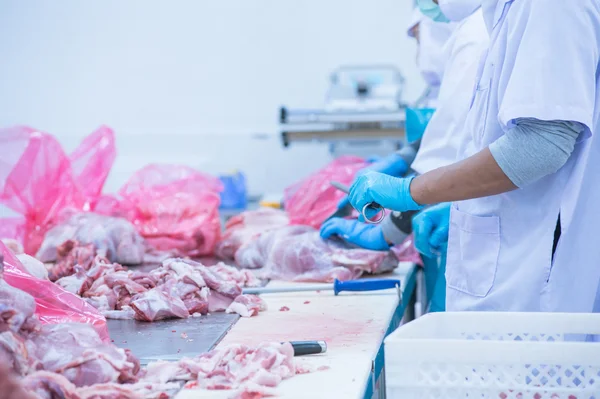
<point x="409" y="152"/>
<point x="535" y="148"/>
<point x="397" y="226"/>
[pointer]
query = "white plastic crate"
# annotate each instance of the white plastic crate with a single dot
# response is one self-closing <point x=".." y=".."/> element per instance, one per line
<point x="495" y="355"/>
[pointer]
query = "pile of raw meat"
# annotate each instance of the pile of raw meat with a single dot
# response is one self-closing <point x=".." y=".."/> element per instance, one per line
<point x="114" y="238"/>
<point x="177" y="289"/>
<point x="263" y="240"/>
<point x="253" y="372"/>
<point x="56" y="357"/>
<point x="242" y="229"/>
<point x="70" y="361"/>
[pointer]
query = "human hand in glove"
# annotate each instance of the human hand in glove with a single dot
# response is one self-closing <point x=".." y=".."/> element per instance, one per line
<point x="389" y="192"/>
<point x="393" y="165"/>
<point x="364" y="235"/>
<point x="430" y="228"/>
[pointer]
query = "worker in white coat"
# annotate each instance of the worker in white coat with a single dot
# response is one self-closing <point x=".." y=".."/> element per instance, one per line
<point x="431" y="40"/>
<point x="431" y="57"/>
<point x="439" y="147"/>
<point x="523" y="198"/>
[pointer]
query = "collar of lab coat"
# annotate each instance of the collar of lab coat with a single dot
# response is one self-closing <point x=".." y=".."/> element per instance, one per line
<point x="415" y="19"/>
<point x="493" y="12"/>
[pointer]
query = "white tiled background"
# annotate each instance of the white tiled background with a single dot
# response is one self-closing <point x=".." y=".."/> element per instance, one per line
<point x="191" y="81"/>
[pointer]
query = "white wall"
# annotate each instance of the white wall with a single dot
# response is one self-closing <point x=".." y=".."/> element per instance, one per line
<point x="190" y="81"/>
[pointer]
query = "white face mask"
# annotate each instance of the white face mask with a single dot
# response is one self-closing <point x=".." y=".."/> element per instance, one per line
<point x="457" y="10"/>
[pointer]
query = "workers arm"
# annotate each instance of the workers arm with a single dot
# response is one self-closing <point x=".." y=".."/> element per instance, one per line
<point x="525" y="154"/>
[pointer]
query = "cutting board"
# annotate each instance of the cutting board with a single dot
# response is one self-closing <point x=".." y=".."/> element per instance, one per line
<point x="353" y="325"/>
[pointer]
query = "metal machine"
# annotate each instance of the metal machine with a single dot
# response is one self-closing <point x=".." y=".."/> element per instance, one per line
<point x="363" y="113"/>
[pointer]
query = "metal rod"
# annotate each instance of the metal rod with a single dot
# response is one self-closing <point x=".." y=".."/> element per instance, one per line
<point x="271" y="290"/>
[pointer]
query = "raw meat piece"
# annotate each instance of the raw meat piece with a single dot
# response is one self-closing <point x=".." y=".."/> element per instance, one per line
<point x="76" y="283"/>
<point x="126" y="313"/>
<point x="14" y="245"/>
<point x="16" y="307"/>
<point x="76" y="351"/>
<point x="198" y="303"/>
<point x="154" y="391"/>
<point x="48" y="385"/>
<point x="174" y="208"/>
<point x="155" y="305"/>
<point x="114" y="238"/>
<point x="314" y="199"/>
<point x="213" y="279"/>
<point x="162" y="371"/>
<point x="185" y="271"/>
<point x="144" y="279"/>
<point x="33" y="266"/>
<point x="70" y="254"/>
<point x="123" y="286"/>
<point x="8" y="318"/>
<point x="241" y="276"/>
<point x="218" y="302"/>
<point x="235" y="367"/>
<point x="298" y="253"/>
<point x="247" y="305"/>
<point x="14" y="352"/>
<point x="108" y="391"/>
<point x="247" y="226"/>
<point x="10" y="387"/>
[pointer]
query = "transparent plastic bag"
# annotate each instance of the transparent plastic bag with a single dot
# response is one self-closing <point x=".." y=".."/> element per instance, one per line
<point x="175" y="208"/>
<point x="54" y="305"/>
<point x="37" y="179"/>
<point x="312" y="200"/>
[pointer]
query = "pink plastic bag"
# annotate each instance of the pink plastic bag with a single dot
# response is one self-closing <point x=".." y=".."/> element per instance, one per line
<point x="176" y="208"/>
<point x="12" y="228"/>
<point x="53" y="304"/>
<point x="37" y="179"/>
<point x="91" y="163"/>
<point x="314" y="199"/>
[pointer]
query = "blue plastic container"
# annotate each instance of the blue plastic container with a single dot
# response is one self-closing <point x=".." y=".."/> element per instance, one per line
<point x="234" y="195"/>
<point x="417" y="120"/>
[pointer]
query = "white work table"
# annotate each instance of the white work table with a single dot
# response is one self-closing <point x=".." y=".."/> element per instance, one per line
<point x="353" y="325"/>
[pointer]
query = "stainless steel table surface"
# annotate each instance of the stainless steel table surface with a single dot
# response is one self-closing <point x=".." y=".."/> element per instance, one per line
<point x="171" y="339"/>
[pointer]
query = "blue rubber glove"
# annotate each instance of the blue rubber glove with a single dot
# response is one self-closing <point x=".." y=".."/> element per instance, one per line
<point x="364" y="235"/>
<point x="389" y="192"/>
<point x="393" y="165"/>
<point x="430" y="228"/>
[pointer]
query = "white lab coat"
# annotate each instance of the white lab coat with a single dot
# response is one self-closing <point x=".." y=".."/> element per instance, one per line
<point x="500" y="247"/>
<point x="431" y="57"/>
<point x="444" y="133"/>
